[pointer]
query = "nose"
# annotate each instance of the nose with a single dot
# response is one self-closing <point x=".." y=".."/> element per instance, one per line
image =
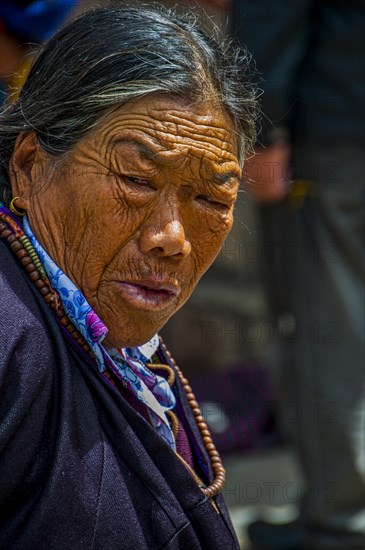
<point x="166" y="239"/>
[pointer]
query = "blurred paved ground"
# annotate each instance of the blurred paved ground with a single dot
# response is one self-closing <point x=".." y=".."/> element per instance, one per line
<point x="265" y="486"/>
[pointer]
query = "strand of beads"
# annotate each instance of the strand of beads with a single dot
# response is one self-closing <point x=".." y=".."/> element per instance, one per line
<point x="34" y="256"/>
<point x="219" y="472"/>
<point x="27" y="256"/>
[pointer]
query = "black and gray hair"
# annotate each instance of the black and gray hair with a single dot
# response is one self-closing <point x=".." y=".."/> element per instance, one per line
<point x="109" y="56"/>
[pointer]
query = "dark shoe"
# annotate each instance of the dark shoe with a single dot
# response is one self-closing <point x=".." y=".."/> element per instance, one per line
<point x="294" y="536"/>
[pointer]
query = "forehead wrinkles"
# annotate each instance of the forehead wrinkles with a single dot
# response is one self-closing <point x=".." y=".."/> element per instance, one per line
<point x="173" y="130"/>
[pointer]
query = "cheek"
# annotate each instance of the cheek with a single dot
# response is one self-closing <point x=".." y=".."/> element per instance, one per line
<point x="113" y="211"/>
<point x="207" y="239"/>
<point x="108" y="230"/>
<point x="106" y="221"/>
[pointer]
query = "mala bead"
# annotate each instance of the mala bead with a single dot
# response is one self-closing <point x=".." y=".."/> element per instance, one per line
<point x="44" y="290"/>
<point x="64" y="320"/>
<point x="30" y="267"/>
<point x="49" y="298"/>
<point x="214" y="452"/>
<point x="11" y="238"/>
<point x="21" y="253"/>
<point x="34" y="276"/>
<point x="202" y="426"/>
<point x="16" y="245"/>
<point x="5" y="232"/>
<point x="25" y="261"/>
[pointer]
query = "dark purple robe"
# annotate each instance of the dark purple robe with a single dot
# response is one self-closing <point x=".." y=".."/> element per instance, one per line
<point x="79" y="467"/>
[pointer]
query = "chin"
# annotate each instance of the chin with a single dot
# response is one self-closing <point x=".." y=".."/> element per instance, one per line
<point x="135" y="327"/>
<point x="124" y="342"/>
<point x="129" y="338"/>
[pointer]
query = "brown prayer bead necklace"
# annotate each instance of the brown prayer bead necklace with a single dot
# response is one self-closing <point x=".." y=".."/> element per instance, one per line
<point x="23" y="249"/>
<point x="215" y="460"/>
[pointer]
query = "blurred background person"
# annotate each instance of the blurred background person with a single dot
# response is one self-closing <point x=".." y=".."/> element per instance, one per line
<point x="311" y="56"/>
<point x="24" y="24"/>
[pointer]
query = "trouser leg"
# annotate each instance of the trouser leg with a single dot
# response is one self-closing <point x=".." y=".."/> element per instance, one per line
<point x="325" y="378"/>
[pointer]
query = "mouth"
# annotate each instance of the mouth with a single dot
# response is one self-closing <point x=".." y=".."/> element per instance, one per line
<point x="149" y="294"/>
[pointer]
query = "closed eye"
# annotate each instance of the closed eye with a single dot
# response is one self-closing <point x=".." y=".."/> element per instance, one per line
<point x="212" y="202"/>
<point x="137" y="181"/>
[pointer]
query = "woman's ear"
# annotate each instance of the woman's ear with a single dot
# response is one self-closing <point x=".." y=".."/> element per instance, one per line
<point x="21" y="168"/>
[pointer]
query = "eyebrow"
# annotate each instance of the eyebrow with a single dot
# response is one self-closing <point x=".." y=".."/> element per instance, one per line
<point x="150" y="154"/>
<point x="143" y="149"/>
<point x="221" y="179"/>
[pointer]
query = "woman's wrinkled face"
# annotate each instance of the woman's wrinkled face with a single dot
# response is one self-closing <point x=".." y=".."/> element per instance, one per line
<point x="138" y="210"/>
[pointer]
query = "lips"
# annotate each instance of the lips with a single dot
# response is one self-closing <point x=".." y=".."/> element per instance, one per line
<point x="149" y="294"/>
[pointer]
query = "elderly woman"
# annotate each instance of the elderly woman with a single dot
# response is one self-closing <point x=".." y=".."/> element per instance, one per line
<point x="120" y="166"/>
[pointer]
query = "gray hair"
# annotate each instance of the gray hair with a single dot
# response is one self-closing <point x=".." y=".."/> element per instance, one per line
<point x="109" y="56"/>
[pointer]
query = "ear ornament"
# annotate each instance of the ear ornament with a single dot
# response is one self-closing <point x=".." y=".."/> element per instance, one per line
<point x="14" y="209"/>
